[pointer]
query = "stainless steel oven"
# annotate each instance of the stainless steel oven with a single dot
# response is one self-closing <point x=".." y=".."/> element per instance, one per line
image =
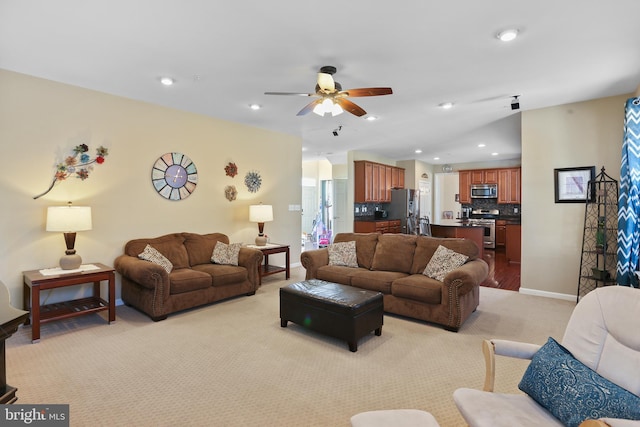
<point x="489" y="225"/>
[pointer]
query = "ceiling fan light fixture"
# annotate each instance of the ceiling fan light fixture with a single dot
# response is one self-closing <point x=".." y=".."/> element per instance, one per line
<point x="328" y="106"/>
<point x="508" y="34"/>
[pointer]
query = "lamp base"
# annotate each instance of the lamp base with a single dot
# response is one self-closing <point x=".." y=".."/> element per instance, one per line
<point x="70" y="262"/>
<point x="261" y="241"/>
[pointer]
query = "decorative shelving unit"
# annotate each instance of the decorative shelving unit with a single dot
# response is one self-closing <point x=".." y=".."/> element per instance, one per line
<point x="600" y="238"/>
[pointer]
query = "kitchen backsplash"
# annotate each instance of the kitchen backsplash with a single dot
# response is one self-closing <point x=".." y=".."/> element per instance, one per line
<point x="505" y="209"/>
<point x="368" y="209"/>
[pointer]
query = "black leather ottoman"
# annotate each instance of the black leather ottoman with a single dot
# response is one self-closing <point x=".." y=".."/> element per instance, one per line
<point x="340" y="311"/>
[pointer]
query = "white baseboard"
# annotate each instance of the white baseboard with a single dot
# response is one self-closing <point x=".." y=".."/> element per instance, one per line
<point x="539" y="293"/>
<point x="295" y="264"/>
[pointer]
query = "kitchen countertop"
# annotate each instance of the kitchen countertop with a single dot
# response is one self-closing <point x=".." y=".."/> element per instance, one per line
<point x="372" y="219"/>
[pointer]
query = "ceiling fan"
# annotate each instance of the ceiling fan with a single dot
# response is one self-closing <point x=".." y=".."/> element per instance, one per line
<point x="331" y="98"/>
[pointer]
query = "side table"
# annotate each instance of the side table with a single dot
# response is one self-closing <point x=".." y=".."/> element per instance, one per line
<point x="35" y="281"/>
<point x="273" y="248"/>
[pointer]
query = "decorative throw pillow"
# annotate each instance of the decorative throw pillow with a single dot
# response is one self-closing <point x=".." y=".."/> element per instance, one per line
<point x="442" y="262"/>
<point x="151" y="254"/>
<point x="226" y="254"/>
<point x="343" y="253"/>
<point x="572" y="391"/>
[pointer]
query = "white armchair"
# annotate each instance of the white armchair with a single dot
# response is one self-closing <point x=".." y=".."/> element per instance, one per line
<point x="602" y="333"/>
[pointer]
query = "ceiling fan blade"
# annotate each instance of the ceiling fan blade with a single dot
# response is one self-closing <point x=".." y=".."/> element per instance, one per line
<point x="309" y="107"/>
<point x="326" y="83"/>
<point x="367" y="91"/>
<point x="289" y="93"/>
<point x="350" y="107"/>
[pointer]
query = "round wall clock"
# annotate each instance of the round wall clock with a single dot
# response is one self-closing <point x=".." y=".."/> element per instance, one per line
<point x="174" y="176"/>
<point x="253" y="181"/>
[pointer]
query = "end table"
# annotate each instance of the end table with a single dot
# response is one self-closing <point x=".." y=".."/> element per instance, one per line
<point x="35" y="281"/>
<point x="273" y="248"/>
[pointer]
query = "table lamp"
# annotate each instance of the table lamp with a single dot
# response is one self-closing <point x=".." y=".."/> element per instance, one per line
<point x="260" y="214"/>
<point x="69" y="219"/>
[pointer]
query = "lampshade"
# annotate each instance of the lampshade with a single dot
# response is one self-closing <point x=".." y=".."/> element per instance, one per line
<point x="68" y="218"/>
<point x="260" y="213"/>
<point x="328" y="106"/>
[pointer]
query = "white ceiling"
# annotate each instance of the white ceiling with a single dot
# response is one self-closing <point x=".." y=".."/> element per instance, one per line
<point x="225" y="54"/>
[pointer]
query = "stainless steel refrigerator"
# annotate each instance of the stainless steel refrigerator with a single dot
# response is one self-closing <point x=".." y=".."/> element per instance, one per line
<point x="405" y="206"/>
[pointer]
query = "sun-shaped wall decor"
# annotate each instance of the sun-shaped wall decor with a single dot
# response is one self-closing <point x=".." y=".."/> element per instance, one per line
<point x="231" y="169"/>
<point x="230" y="192"/>
<point x="253" y="181"/>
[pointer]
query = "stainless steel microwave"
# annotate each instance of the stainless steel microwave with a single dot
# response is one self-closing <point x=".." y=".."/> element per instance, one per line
<point x="484" y="191"/>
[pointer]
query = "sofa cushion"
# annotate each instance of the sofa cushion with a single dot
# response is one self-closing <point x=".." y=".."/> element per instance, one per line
<point x="152" y="255"/>
<point x="442" y="262"/>
<point x="187" y="280"/>
<point x="226" y="254"/>
<point x="394" y="252"/>
<point x="200" y="246"/>
<point x="222" y="275"/>
<point x="365" y="246"/>
<point x="426" y="247"/>
<point x="418" y="287"/>
<point x="337" y="273"/>
<point x="572" y="391"/>
<point x="376" y="280"/>
<point x="343" y="253"/>
<point x="169" y="245"/>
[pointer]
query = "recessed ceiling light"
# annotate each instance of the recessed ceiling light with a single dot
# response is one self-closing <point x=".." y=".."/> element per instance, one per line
<point x="255" y="106"/>
<point x="418" y="151"/>
<point x="371" y="118"/>
<point x="446" y="105"/>
<point x="494" y="154"/>
<point x="167" y="81"/>
<point x="436" y="158"/>
<point x="481" y="145"/>
<point x="508" y="34"/>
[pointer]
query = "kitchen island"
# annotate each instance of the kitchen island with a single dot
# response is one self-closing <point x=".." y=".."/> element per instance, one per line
<point x="457" y="229"/>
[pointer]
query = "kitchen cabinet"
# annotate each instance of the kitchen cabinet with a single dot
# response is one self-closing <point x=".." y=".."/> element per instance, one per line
<point x="513" y="242"/>
<point x="484" y="176"/>
<point x="373" y="181"/>
<point x="388" y="226"/>
<point x="509" y="185"/>
<point x="501" y="232"/>
<point x="464" y="189"/>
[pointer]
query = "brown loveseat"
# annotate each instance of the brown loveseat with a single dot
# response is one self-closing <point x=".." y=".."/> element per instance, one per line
<point x="393" y="264"/>
<point x="194" y="279"/>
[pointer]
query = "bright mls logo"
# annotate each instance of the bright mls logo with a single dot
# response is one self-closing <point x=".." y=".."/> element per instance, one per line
<point x="36" y="415"/>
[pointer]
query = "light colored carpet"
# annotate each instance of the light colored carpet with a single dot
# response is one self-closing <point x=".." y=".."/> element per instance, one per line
<point x="231" y="364"/>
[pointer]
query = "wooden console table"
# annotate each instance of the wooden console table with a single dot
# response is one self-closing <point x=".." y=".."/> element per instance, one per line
<point x="10" y="319"/>
<point x="35" y="281"/>
<point x="269" y="249"/>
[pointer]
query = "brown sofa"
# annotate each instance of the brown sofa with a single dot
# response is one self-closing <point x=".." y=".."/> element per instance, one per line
<point x="194" y="279"/>
<point x="393" y="264"/>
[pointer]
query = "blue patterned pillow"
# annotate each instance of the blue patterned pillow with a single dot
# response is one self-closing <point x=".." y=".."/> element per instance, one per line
<point x="573" y="392"/>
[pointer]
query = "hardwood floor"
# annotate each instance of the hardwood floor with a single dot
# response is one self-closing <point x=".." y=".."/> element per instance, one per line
<point x="502" y="275"/>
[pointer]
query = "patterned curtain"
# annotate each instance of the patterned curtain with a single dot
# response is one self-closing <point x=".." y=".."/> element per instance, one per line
<point x="629" y="201"/>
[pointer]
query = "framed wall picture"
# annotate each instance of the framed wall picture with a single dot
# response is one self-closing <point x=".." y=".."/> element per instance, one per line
<point x="572" y="184"/>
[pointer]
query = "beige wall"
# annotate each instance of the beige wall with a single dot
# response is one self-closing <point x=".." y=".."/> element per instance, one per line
<point x="41" y="121"/>
<point x="572" y="135"/>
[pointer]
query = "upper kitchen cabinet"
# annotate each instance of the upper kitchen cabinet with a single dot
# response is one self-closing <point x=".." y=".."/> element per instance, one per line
<point x="374" y="181"/>
<point x="464" y="190"/>
<point x="484" y="176"/>
<point x="509" y="185"/>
